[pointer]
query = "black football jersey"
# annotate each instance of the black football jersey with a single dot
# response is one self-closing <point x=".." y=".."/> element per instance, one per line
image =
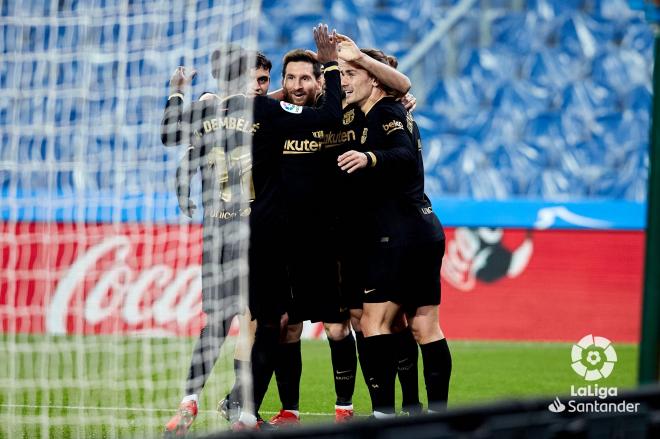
<point x="399" y="210"/>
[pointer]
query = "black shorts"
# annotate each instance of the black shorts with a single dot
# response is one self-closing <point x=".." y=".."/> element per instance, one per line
<point x="270" y="291"/>
<point x="314" y="277"/>
<point x="352" y="268"/>
<point x="220" y="254"/>
<point x="408" y="276"/>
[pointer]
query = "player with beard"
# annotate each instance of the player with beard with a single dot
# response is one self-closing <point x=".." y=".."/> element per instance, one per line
<point x="406" y="240"/>
<point x="243" y="121"/>
<point x="310" y="197"/>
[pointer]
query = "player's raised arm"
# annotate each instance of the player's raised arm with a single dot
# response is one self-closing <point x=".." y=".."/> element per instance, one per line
<point x="385" y="74"/>
<point x="171" y="132"/>
<point x="187" y="168"/>
<point x="286" y="115"/>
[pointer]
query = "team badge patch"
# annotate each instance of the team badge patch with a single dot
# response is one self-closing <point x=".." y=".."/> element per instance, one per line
<point x="291" y="108"/>
<point x="364" y="136"/>
<point x="349" y="116"/>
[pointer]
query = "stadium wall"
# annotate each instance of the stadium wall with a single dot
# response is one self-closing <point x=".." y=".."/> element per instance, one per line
<point x="565" y="271"/>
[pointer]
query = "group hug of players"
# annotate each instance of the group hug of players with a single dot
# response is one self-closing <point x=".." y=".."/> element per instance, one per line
<point x="328" y="174"/>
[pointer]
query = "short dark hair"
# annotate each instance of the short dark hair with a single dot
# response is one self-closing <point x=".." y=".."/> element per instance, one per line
<point x="237" y="64"/>
<point x="300" y="55"/>
<point x="263" y="62"/>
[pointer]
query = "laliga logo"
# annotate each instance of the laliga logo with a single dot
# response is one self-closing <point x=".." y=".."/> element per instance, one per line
<point x="593" y="358"/>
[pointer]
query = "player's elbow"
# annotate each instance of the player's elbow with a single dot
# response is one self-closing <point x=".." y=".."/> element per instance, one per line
<point x="170" y="137"/>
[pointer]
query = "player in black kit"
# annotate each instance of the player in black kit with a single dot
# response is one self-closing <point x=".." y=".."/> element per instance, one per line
<point x="406" y="241"/>
<point x="258" y="121"/>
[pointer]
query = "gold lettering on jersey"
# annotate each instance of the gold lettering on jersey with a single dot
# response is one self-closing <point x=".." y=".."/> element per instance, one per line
<point x="318" y="134"/>
<point x="364" y="136"/>
<point x="392" y="126"/>
<point x="301" y="146"/>
<point x="409" y="122"/>
<point x="241" y="158"/>
<point x="230" y="123"/>
<point x="427" y="210"/>
<point x="334" y="139"/>
<point x="349" y="116"/>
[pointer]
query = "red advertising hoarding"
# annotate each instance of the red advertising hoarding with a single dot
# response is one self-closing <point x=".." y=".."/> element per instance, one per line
<point x="501" y="284"/>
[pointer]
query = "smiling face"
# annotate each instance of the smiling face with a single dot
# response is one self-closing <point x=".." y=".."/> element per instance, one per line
<point x="299" y="85"/>
<point x="356" y="83"/>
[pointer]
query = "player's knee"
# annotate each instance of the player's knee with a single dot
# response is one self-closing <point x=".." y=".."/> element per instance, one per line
<point x="293" y="333"/>
<point x="337" y="331"/>
<point x="426" y="331"/>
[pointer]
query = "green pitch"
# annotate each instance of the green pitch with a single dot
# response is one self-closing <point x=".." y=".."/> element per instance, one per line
<point x="131" y="386"/>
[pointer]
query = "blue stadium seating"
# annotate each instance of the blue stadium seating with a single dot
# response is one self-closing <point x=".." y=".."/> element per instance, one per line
<point x="556" y="105"/>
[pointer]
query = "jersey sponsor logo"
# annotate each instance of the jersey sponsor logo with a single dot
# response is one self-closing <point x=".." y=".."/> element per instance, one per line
<point x="427" y="210"/>
<point x="364" y="136"/>
<point x="392" y="126"/>
<point x="318" y="134"/>
<point x="369" y="291"/>
<point x="349" y="116"/>
<point x="335" y="139"/>
<point x="225" y="214"/>
<point x="291" y="108"/>
<point x="301" y="146"/>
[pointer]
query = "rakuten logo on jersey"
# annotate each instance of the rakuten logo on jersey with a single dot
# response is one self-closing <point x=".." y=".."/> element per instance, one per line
<point x="102" y="293"/>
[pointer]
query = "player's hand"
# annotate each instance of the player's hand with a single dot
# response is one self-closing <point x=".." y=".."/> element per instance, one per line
<point x="187" y="206"/>
<point x="181" y="78"/>
<point x="326" y="44"/>
<point x="351" y="161"/>
<point x="409" y="102"/>
<point x="347" y="50"/>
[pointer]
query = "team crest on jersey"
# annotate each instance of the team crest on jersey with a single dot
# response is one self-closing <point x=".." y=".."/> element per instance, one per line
<point x="291" y="108"/>
<point x="364" y="136"/>
<point x="349" y="116"/>
<point x="409" y="122"/>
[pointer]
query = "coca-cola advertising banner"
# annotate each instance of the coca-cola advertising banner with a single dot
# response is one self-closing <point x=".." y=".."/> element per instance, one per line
<point x="508" y="284"/>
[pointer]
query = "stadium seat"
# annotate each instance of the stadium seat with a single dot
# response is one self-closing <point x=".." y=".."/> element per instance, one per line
<point x="551" y="9"/>
<point x="455" y="95"/>
<point x="520" y="31"/>
<point x="620" y="69"/>
<point x="484" y="67"/>
<point x="638" y="99"/>
<point x="587" y="100"/>
<point x="638" y="36"/>
<point x="581" y="36"/>
<point x="552" y="68"/>
<point x="521" y="98"/>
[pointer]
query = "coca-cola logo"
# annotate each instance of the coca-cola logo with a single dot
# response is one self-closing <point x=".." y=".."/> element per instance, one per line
<point x="148" y="299"/>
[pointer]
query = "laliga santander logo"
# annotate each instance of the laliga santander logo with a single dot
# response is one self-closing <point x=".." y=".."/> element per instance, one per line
<point x="593" y="358"/>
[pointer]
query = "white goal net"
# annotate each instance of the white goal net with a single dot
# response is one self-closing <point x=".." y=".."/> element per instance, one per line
<point x="100" y="275"/>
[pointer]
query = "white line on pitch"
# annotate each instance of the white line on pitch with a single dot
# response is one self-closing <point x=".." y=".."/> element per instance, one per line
<point x="128" y="409"/>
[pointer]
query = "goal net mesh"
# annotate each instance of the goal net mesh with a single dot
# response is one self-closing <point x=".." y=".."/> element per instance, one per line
<point x="100" y="272"/>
